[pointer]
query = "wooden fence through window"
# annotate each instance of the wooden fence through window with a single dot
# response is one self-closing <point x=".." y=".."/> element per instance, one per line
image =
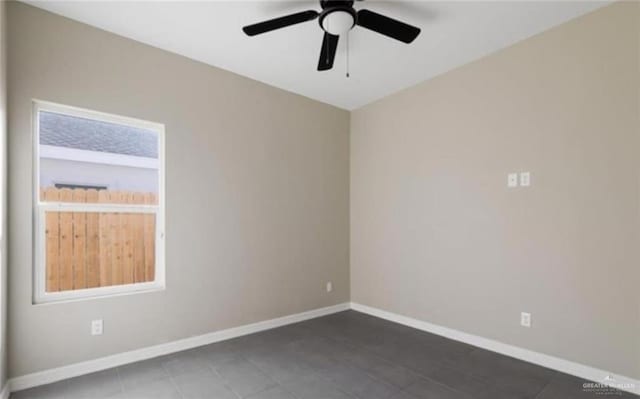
<point x="98" y="249"/>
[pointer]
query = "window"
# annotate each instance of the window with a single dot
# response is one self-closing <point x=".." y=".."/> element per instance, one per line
<point x="99" y="204"/>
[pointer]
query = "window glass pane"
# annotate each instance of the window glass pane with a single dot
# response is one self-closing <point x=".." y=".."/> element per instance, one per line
<point x="110" y="162"/>
<point x="98" y="249"/>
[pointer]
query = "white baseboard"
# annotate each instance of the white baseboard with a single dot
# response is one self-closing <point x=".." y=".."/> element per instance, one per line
<point x="91" y="366"/>
<point x="4" y="393"/>
<point x="551" y="362"/>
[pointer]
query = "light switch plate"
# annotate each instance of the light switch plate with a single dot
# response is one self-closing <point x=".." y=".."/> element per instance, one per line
<point x="525" y="319"/>
<point x="512" y="180"/>
<point x="525" y="179"/>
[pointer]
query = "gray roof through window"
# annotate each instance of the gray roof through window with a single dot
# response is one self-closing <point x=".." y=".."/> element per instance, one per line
<point x="92" y="135"/>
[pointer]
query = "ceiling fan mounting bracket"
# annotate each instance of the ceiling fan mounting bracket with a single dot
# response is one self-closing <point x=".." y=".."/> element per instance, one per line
<point x="336" y="3"/>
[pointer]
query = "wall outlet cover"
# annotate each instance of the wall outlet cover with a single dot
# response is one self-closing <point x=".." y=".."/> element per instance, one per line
<point x="329" y="286"/>
<point x="96" y="327"/>
<point x="512" y="180"/>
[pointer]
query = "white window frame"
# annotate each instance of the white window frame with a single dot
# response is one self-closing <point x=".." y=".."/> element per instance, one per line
<point x="40" y="295"/>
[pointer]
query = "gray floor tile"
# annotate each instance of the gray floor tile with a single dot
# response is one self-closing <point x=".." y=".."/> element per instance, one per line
<point x="424" y="353"/>
<point x="511" y="375"/>
<point x="428" y="389"/>
<point x="57" y="390"/>
<point x="100" y="385"/>
<point x="203" y="385"/>
<point x="143" y="372"/>
<point x="186" y="362"/>
<point x="358" y="383"/>
<point x="356" y="356"/>
<point x="392" y="373"/>
<point x="244" y="377"/>
<point x="471" y="385"/>
<point x="103" y="384"/>
<point x="272" y="393"/>
<point x="155" y="389"/>
<point x="269" y="340"/>
<point x="419" y="362"/>
<point x="221" y="353"/>
<point x="379" y="367"/>
<point x="319" y="352"/>
<point x="281" y="366"/>
<point x="403" y="395"/>
<point x="315" y="387"/>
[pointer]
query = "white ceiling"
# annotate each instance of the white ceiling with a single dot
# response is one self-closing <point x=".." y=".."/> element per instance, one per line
<point x="453" y="33"/>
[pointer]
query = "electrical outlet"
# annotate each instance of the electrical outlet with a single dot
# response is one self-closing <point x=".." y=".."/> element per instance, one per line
<point x="525" y="179"/>
<point x="96" y="327"/>
<point x="329" y="286"/>
<point x="512" y="180"/>
<point x="525" y="319"/>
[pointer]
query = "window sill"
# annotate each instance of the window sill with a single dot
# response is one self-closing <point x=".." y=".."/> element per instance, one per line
<point x="97" y="293"/>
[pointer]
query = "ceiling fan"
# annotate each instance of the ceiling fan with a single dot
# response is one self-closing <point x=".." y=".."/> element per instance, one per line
<point x="337" y="18"/>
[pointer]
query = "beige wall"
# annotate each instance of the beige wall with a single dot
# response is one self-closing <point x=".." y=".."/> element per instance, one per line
<point x="257" y="192"/>
<point x="436" y="234"/>
<point x="3" y="194"/>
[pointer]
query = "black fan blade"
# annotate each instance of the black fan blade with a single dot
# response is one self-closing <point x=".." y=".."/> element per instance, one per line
<point x="281" y="22"/>
<point x="328" y="51"/>
<point x="387" y="26"/>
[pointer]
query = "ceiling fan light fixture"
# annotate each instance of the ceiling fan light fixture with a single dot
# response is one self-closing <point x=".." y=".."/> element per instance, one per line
<point x="338" y="22"/>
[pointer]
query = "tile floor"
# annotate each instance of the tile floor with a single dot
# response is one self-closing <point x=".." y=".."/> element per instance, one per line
<point x="343" y="356"/>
